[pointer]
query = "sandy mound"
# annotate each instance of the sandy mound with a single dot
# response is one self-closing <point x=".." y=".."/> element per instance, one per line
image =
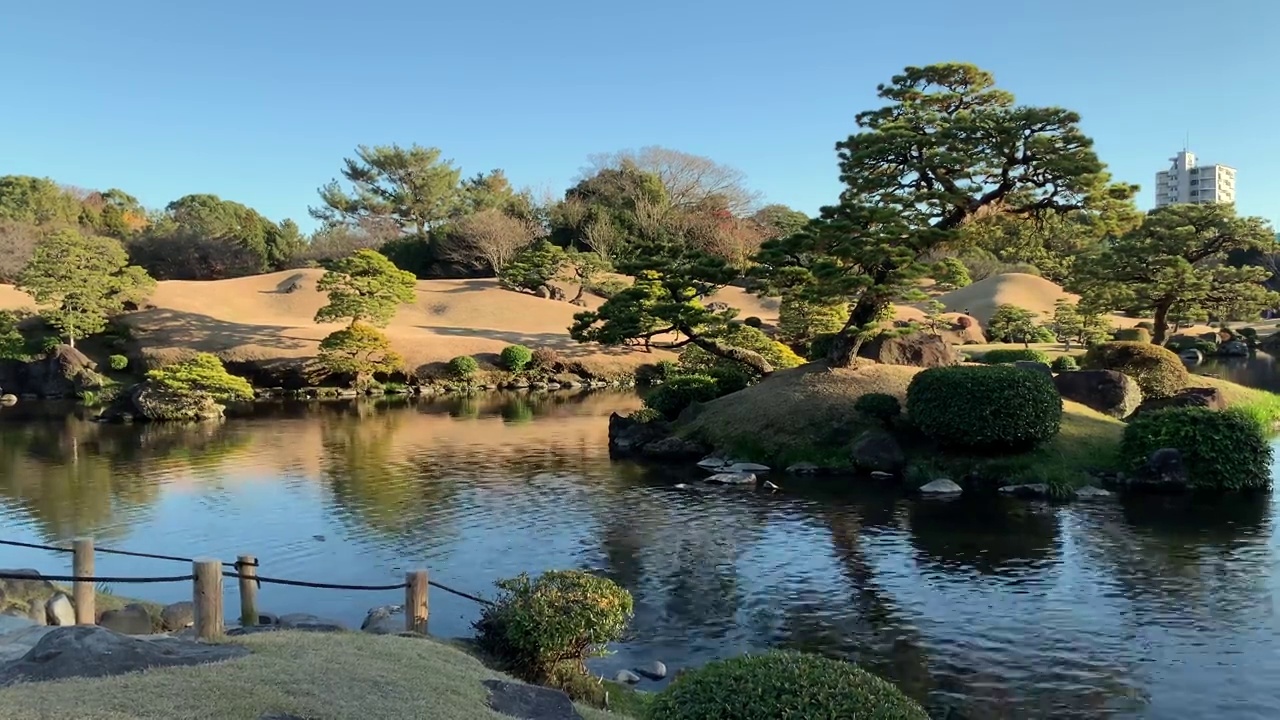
<point x="1025" y="291"/>
<point x="955" y="335"/>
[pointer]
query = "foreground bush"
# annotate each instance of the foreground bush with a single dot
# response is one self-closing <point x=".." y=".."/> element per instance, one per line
<point x="463" y="367"/>
<point x="1221" y="450"/>
<point x="1134" y="334"/>
<point x="656" y="373"/>
<point x="1064" y="363"/>
<point x="1012" y="355"/>
<point x="881" y="407"/>
<point x="516" y="357"/>
<point x="562" y="618"/>
<point x="679" y="392"/>
<point x="782" y="685"/>
<point x="1159" y="371"/>
<point x="984" y="409"/>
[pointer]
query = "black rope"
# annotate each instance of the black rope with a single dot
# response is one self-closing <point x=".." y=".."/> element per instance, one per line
<point x="94" y="578"/>
<point x="15" y="543"/>
<point x="109" y="551"/>
<point x="322" y="586"/>
<point x="459" y="593"/>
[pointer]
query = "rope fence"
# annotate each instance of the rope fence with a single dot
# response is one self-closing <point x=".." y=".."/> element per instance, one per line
<point x="207" y="587"/>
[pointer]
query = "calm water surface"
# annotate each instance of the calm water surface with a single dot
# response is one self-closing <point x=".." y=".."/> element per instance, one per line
<point x="1000" y="609"/>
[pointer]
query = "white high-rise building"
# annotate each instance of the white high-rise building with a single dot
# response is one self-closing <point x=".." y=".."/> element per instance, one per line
<point x="1186" y="182"/>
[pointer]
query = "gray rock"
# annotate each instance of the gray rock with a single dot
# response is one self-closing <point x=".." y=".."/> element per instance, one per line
<point x="92" y="651"/>
<point x="1164" y="470"/>
<point x="59" y="610"/>
<point x="803" y="468"/>
<point x="736" y="478"/>
<point x="1107" y="391"/>
<point x="654" y="670"/>
<point x="385" y="620"/>
<point x="1091" y="491"/>
<point x="1211" y="398"/>
<point x="876" y="449"/>
<point x="712" y="463"/>
<point x="673" y="448"/>
<point x="626" y="677"/>
<point x="129" y="620"/>
<point x="1234" y="348"/>
<point x="881" y="475"/>
<point x="1029" y="490"/>
<point x="37" y="614"/>
<point x="305" y="621"/>
<point x="281" y="716"/>
<point x="744" y="467"/>
<point x="178" y="616"/>
<point x="1033" y="366"/>
<point x="529" y="702"/>
<point x="37" y="590"/>
<point x="941" y="486"/>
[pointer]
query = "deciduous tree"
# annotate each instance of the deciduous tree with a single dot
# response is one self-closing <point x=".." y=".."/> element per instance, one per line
<point x="365" y="287"/>
<point x="690" y="180"/>
<point x="491" y="236"/>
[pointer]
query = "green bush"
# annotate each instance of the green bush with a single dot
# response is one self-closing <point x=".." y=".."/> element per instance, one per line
<point x="562" y="618"/>
<point x="516" y="357"/>
<point x="679" y="392"/>
<point x="782" y="684"/>
<point x="118" y="362"/>
<point x="198" y="378"/>
<point x="644" y="415"/>
<point x="800" y="321"/>
<point x="695" y="359"/>
<point x="657" y="373"/>
<point x="1064" y="363"/>
<point x="730" y="379"/>
<point x="608" y="287"/>
<point x="820" y="346"/>
<point x="984" y="409"/>
<point x="1157" y="370"/>
<point x="1011" y="355"/>
<point x="49" y="342"/>
<point x="13" y="346"/>
<point x="1224" y="450"/>
<point x="1249" y="333"/>
<point x="754" y="322"/>
<point x="463" y="367"/>
<point x="1134" y="334"/>
<point x="881" y="407"/>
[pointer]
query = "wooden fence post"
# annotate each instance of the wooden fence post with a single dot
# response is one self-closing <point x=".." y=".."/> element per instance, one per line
<point x="247" y="566"/>
<point x="83" y="592"/>
<point x="206" y="597"/>
<point x="415" y="601"/>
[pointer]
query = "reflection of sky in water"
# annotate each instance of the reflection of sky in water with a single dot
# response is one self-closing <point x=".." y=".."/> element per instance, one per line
<point x="1009" y="610"/>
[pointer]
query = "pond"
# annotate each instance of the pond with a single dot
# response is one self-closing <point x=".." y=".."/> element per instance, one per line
<point x="998" y="609"/>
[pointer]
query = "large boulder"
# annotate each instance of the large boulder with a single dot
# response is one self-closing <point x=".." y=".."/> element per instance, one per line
<point x="178" y="616"/>
<point x="132" y="619"/>
<point x="529" y="702"/>
<point x="1234" y="348"/>
<point x="149" y="401"/>
<point x="628" y="437"/>
<point x="673" y="449"/>
<point x="914" y="350"/>
<point x="63" y="372"/>
<point x="25" y="596"/>
<point x="59" y="610"/>
<point x="1108" y="391"/>
<point x="1211" y="398"/>
<point x="1164" y="471"/>
<point x="91" y="651"/>
<point x="385" y="620"/>
<point x="877" y="451"/>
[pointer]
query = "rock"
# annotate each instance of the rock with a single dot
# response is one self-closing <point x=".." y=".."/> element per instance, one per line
<point x="1091" y="491"/>
<point x="914" y="350"/>
<point x="673" y="449"/>
<point x="766" y="485"/>
<point x="305" y="621"/>
<point x="881" y="475"/>
<point x="744" y="467"/>
<point x="542" y="292"/>
<point x="627" y="436"/>
<point x="1030" y="490"/>
<point x="8" y="399"/>
<point x="1107" y="391"/>
<point x="18" y="636"/>
<point x="63" y="372"/>
<point x="626" y="677"/>
<point x="92" y="651"/>
<point x="654" y="670"/>
<point x="1034" y="366"/>
<point x="712" y="463"/>
<point x="1211" y="398"/>
<point x="529" y="702"/>
<point x="59" y="610"/>
<point x="732" y="479"/>
<point x="876" y="449"/>
<point x="1164" y="470"/>
<point x="32" y="593"/>
<point x="1234" y="348"/>
<point x="941" y="486"/>
<point x="682" y="486"/>
<point x="177" y="616"/>
<point x="385" y="620"/>
<point x="38" y="615"/>
<point x="803" y="468"/>
<point x="149" y="401"/>
<point x="1191" y="356"/>
<point x="130" y="620"/>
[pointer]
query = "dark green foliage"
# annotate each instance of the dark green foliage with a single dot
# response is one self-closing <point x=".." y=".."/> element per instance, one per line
<point x="1011" y="324"/>
<point x="1064" y="363"/>
<point x="203" y="237"/>
<point x="984" y="409"/>
<point x="463" y="367"/>
<point x="534" y="268"/>
<point x="753" y="322"/>
<point x="1011" y="355"/>
<point x="950" y="273"/>
<point x="821" y="345"/>
<point x="562" y="618"/>
<point x="1221" y="450"/>
<point x="678" y="392"/>
<point x="1134" y="334"/>
<point x="118" y="362"/>
<point x="12" y="345"/>
<point x="695" y="359"/>
<point x="516" y="357"/>
<point x="730" y="379"/>
<point x="1158" y="370"/>
<point x="782" y="684"/>
<point x="656" y="373"/>
<point x="1249" y="333"/>
<point x="881" y="407"/>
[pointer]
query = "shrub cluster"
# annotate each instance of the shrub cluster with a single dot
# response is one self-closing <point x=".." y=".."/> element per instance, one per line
<point x="1157" y="370"/>
<point x="1064" y="363"/>
<point x="881" y="407"/>
<point x="563" y="617"/>
<point x="656" y="373"/>
<point x="1134" y="334"/>
<point x="680" y="392"/>
<point x="118" y="362"/>
<point x="1221" y="450"/>
<point x="782" y="684"/>
<point x="516" y="357"/>
<point x="1002" y="356"/>
<point x="753" y="322"/>
<point x="545" y="358"/>
<point x="463" y="367"/>
<point x="984" y="409"/>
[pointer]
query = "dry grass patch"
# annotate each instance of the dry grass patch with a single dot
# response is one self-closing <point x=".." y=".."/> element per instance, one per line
<point x="313" y="675"/>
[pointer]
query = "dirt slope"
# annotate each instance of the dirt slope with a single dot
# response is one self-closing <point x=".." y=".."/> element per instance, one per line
<point x="1025" y="291"/>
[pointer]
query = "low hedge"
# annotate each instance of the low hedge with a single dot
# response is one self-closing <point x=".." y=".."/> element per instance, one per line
<point x="984" y="409"/>
<point x="1011" y="355"/>
<point x="1221" y="450"/>
<point x="1158" y="370"/>
<point x="881" y="407"/>
<point x="782" y="684"/>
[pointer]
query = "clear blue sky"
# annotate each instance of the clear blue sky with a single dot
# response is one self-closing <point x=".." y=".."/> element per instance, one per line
<point x="259" y="101"/>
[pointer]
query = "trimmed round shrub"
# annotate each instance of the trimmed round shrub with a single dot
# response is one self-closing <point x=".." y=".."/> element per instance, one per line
<point x="881" y="407"/>
<point x="548" y="359"/>
<point x="1064" y="363"/>
<point x="1134" y="334"/>
<point x="516" y="357"/>
<point x="656" y="373"/>
<point x="1158" y="370"/>
<point x="1003" y="356"/>
<point x="984" y="409"/>
<point x="563" y="617"/>
<point x="1221" y="450"/>
<point x="1248" y="333"/>
<point x="680" y="392"/>
<point x="782" y="684"/>
<point x="118" y="362"/>
<point x="463" y="367"/>
<point x="754" y="322"/>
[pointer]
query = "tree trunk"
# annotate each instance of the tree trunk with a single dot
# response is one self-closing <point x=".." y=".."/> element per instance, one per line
<point x="1160" y="326"/>
<point x="751" y="359"/>
<point x="845" y="346"/>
